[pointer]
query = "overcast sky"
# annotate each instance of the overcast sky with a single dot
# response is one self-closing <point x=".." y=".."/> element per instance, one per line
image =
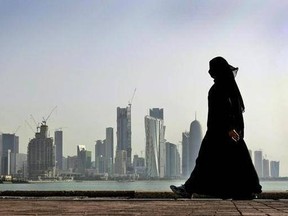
<point x="87" y="56"/>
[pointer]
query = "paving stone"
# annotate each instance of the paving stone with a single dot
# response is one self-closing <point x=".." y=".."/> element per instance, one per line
<point x="149" y="207"/>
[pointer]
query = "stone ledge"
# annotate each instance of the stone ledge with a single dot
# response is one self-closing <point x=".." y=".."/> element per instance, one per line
<point x="121" y="194"/>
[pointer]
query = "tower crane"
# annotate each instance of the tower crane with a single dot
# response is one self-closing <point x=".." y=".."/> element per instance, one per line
<point x="130" y="101"/>
<point x="17" y="129"/>
<point x="45" y="120"/>
<point x="29" y="126"/>
<point x="37" y="125"/>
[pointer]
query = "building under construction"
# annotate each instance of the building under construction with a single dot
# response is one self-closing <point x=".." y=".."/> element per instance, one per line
<point x="41" y="155"/>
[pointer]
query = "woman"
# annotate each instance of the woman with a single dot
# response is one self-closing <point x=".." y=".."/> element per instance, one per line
<point x="223" y="168"/>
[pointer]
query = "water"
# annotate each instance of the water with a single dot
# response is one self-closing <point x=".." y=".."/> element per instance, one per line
<point x="120" y="186"/>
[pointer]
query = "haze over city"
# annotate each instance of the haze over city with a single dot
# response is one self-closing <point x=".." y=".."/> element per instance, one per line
<point x="87" y="57"/>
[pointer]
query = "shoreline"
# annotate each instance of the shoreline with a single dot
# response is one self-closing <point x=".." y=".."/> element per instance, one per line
<point x="20" y="194"/>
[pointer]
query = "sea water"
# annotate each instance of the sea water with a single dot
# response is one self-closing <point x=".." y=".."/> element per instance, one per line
<point x="162" y="185"/>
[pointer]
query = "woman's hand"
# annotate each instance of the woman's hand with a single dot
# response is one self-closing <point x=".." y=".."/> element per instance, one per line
<point x="234" y="135"/>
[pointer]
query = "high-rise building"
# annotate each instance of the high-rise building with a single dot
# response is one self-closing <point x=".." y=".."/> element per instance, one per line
<point x="58" y="137"/>
<point x="72" y="163"/>
<point x="186" y="166"/>
<point x="139" y="165"/>
<point x="100" y="156"/>
<point x="18" y="162"/>
<point x="8" y="143"/>
<point x="64" y="163"/>
<point x="195" y="139"/>
<point x="120" y="162"/>
<point x="274" y="167"/>
<point x="172" y="161"/>
<point x="124" y="134"/>
<point x="266" y="170"/>
<point x="258" y="162"/>
<point x="84" y="159"/>
<point x="41" y="156"/>
<point x="109" y="151"/>
<point x="104" y="153"/>
<point x="155" y="150"/>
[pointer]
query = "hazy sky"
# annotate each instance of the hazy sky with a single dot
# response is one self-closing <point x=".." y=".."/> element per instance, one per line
<point x="87" y="56"/>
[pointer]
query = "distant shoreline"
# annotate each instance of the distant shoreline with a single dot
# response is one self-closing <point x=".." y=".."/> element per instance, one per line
<point x="274" y="179"/>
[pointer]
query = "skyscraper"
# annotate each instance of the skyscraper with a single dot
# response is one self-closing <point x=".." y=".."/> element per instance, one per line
<point x="109" y="151"/>
<point x="104" y="153"/>
<point x="20" y="165"/>
<point x="155" y="147"/>
<point x="266" y="170"/>
<point x="124" y="134"/>
<point x="83" y="159"/>
<point x="41" y="157"/>
<point x="186" y="165"/>
<point x="172" y="161"/>
<point x="58" y="136"/>
<point x="100" y="156"/>
<point x="8" y="142"/>
<point x="258" y="162"/>
<point x="195" y="139"/>
<point x="120" y="162"/>
<point x="139" y="165"/>
<point x="274" y="166"/>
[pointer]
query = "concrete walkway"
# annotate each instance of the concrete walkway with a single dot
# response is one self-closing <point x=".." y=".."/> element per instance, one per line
<point x="120" y="206"/>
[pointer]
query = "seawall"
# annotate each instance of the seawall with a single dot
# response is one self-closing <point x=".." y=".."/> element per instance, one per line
<point x="120" y="194"/>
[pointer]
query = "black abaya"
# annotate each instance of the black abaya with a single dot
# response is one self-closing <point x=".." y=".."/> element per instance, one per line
<point x="224" y="167"/>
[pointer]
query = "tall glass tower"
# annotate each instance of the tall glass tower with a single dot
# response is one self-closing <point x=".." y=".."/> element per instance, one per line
<point x="274" y="165"/>
<point x="7" y="142"/>
<point x="258" y="162"/>
<point x="186" y="165"/>
<point x="58" y="136"/>
<point x="109" y="150"/>
<point x="195" y="139"/>
<point x="155" y="147"/>
<point x="124" y="133"/>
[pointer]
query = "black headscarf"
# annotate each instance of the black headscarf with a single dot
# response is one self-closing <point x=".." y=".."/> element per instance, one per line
<point x="224" y="77"/>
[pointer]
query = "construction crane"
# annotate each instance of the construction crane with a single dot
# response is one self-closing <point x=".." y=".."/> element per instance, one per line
<point x="130" y="101"/>
<point x="45" y="120"/>
<point x="17" y="129"/>
<point x="29" y="126"/>
<point x="36" y="124"/>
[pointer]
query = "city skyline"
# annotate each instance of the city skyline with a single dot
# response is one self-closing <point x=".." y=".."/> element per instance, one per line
<point x="169" y="161"/>
<point x="87" y="57"/>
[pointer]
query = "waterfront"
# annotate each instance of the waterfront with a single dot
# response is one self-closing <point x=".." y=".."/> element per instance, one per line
<point x="120" y="186"/>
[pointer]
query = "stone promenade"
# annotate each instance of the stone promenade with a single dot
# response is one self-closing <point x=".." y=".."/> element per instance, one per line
<point x="80" y="206"/>
<point x="135" y="203"/>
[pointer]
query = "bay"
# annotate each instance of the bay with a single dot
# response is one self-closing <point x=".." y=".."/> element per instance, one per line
<point x="162" y="185"/>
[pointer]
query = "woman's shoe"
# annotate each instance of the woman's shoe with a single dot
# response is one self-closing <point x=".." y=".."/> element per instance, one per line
<point x="180" y="191"/>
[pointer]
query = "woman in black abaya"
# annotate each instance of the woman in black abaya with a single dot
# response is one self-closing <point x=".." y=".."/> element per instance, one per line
<point x="223" y="168"/>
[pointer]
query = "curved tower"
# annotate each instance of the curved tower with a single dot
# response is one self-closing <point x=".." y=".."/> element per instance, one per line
<point x="195" y="139"/>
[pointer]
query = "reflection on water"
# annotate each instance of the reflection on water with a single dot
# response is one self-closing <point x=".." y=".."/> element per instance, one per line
<point x="114" y="185"/>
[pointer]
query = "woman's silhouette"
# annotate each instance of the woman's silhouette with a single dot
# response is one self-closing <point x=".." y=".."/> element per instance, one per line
<point x="223" y="167"/>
